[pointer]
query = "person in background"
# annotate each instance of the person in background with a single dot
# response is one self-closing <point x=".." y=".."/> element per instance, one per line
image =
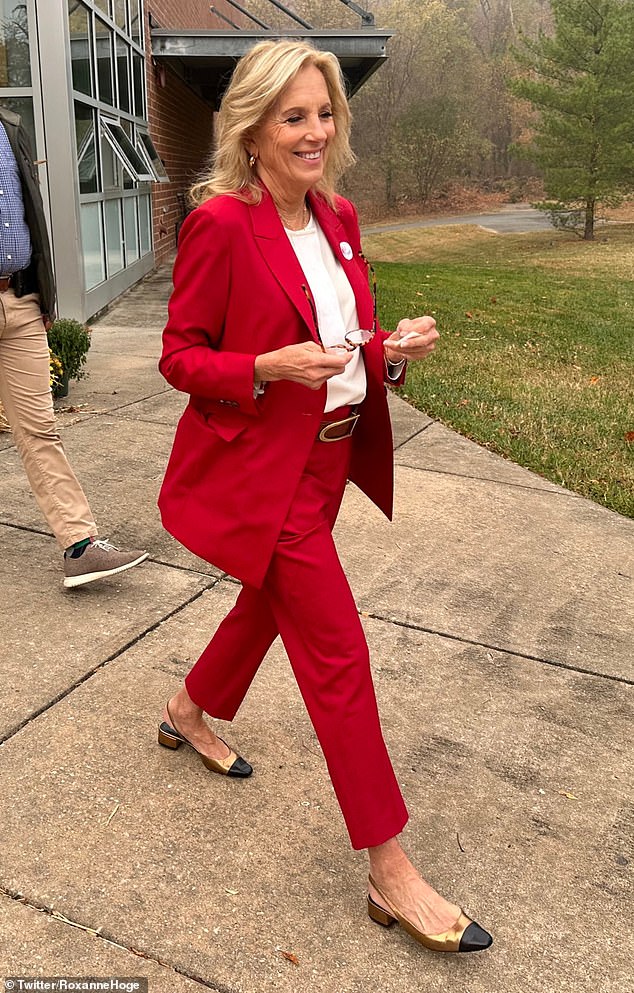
<point x="27" y="307"/>
<point x="273" y="332"/>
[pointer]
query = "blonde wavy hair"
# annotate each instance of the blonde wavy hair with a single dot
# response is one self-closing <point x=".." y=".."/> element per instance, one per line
<point x="255" y="88"/>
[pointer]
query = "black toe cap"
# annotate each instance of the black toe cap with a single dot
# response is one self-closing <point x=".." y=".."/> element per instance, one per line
<point x="241" y="769"/>
<point x="475" y="939"/>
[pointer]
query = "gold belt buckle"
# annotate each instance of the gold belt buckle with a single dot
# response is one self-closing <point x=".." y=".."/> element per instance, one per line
<point x="323" y="434"/>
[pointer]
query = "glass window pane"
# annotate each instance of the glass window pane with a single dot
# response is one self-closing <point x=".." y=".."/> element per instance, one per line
<point x="156" y="162"/>
<point x="92" y="244"/>
<point x="128" y="182"/>
<point x="80" y="47"/>
<point x="123" y="75"/>
<point x="120" y="13"/>
<point x="15" y="64"/>
<point x="104" y="5"/>
<point x="24" y="107"/>
<point x="136" y="22"/>
<point x="145" y="224"/>
<point x="105" y="61"/>
<point x="86" y="148"/>
<point x="111" y="167"/>
<point x="125" y="150"/>
<point x="131" y="240"/>
<point x="114" y="236"/>
<point x="138" y="64"/>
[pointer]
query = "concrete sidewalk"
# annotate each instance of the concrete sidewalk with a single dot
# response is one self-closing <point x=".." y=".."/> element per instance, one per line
<point x="499" y="612"/>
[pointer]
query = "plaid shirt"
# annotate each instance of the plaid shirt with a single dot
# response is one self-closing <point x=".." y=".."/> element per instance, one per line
<point x="15" y="239"/>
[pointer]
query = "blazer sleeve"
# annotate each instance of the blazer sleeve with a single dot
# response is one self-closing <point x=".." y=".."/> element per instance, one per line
<point x="193" y="359"/>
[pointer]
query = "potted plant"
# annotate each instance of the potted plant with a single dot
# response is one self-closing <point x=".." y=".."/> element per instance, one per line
<point x="69" y="341"/>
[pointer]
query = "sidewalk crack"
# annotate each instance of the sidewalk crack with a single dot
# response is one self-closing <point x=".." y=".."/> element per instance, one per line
<point x="411" y="437"/>
<point x="111" y="658"/>
<point x="497" y="648"/>
<point x="111" y="940"/>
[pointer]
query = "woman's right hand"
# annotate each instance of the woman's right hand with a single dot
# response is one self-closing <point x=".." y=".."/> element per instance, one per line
<point x="306" y="363"/>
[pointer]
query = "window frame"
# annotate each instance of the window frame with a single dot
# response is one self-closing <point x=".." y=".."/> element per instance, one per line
<point x="159" y="172"/>
<point x="106" y="126"/>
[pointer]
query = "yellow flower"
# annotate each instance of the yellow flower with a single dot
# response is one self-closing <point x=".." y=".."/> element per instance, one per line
<point x="55" y="369"/>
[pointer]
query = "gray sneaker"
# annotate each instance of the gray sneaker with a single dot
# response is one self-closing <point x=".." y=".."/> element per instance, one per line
<point x="100" y="559"/>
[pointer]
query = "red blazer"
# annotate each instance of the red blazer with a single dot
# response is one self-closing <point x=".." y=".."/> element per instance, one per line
<point x="237" y="460"/>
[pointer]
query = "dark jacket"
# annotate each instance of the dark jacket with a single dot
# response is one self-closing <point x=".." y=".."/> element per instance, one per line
<point x="41" y="259"/>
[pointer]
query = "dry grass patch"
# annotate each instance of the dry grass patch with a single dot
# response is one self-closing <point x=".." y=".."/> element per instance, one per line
<point x="612" y="252"/>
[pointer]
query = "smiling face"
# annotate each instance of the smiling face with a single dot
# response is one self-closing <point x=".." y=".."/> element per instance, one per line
<point x="292" y="143"/>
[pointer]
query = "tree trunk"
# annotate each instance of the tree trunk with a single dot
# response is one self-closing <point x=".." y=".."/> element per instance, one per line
<point x="588" y="232"/>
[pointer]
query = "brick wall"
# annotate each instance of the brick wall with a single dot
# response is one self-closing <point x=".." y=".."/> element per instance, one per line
<point x="181" y="124"/>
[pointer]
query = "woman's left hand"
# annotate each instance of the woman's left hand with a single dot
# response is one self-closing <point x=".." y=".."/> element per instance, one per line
<point x="414" y="339"/>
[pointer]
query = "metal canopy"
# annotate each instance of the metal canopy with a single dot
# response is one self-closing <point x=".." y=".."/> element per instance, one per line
<point x="206" y="59"/>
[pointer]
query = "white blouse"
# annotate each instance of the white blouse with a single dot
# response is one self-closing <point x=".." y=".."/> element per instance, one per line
<point x="336" y="309"/>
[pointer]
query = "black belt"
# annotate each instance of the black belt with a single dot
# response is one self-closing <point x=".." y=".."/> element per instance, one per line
<point x="21" y="282"/>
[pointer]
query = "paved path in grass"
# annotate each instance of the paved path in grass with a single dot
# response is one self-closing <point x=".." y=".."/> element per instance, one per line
<point x="498" y="609"/>
<point x="512" y="219"/>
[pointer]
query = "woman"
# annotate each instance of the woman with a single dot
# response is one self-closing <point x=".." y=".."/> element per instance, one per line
<point x="287" y="401"/>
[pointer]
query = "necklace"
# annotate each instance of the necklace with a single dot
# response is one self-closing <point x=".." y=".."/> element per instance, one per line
<point x="298" y="220"/>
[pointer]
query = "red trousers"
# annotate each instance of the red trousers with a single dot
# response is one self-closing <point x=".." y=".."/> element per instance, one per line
<point x="307" y="600"/>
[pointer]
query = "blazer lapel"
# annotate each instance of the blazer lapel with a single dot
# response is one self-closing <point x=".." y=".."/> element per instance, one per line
<point x="340" y="242"/>
<point x="278" y="254"/>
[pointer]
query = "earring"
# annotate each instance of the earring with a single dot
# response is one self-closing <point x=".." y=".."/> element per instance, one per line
<point x="252" y="161"/>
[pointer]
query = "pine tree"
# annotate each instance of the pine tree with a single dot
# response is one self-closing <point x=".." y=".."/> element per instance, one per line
<point x="581" y="80"/>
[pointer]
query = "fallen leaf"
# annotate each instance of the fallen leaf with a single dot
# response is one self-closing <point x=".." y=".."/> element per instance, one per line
<point x="468" y="314"/>
<point x="290" y="957"/>
<point x="494" y="300"/>
<point x="629" y="436"/>
<point x="568" y="796"/>
<point x="594" y="380"/>
<point x="464" y="402"/>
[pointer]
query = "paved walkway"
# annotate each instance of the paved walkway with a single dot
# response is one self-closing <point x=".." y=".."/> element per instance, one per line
<point x="510" y="219"/>
<point x="499" y="613"/>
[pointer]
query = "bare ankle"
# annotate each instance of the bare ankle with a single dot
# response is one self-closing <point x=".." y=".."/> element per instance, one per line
<point x="184" y="705"/>
<point x="387" y="857"/>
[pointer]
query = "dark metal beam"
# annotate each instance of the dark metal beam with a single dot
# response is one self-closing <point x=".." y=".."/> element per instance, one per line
<point x="367" y="19"/>
<point x="252" y="17"/>
<point x="222" y="17"/>
<point x="205" y="60"/>
<point x="289" y="13"/>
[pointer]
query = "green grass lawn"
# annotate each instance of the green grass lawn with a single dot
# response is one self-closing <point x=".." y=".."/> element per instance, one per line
<point x="536" y="358"/>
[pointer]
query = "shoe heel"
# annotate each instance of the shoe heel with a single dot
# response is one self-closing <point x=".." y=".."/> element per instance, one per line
<point x="378" y="915"/>
<point x="167" y="738"/>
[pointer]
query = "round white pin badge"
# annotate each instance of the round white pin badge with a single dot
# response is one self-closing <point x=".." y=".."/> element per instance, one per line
<point x="346" y="250"/>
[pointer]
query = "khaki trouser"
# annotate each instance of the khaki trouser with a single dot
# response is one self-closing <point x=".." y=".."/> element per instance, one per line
<point x="26" y="397"/>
